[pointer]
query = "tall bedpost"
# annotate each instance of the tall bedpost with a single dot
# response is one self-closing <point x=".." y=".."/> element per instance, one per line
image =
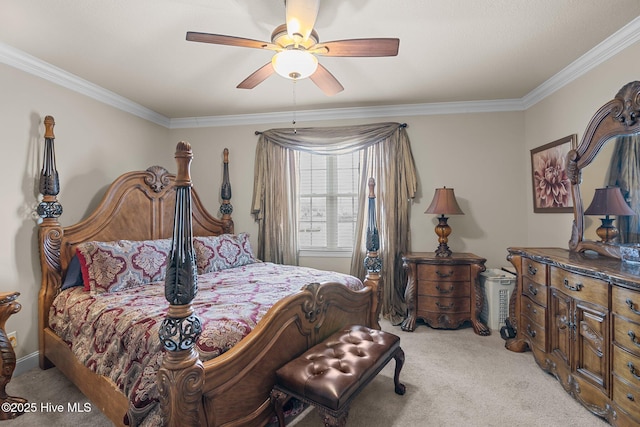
<point x="372" y="262"/>
<point x="225" y="194"/>
<point x="49" y="233"/>
<point x="181" y="377"/>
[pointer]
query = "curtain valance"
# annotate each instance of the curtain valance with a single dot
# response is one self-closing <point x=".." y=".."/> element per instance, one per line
<point x="331" y="140"/>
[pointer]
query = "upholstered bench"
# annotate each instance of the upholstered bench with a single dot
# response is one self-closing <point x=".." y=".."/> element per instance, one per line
<point x="332" y="373"/>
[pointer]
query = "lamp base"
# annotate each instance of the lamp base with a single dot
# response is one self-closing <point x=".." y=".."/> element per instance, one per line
<point x="443" y="230"/>
<point x="607" y="231"/>
<point x="443" y="251"/>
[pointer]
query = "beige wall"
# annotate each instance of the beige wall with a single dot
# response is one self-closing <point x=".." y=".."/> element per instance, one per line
<point x="563" y="113"/>
<point x="484" y="156"/>
<point x="94" y="144"/>
<point x="473" y="153"/>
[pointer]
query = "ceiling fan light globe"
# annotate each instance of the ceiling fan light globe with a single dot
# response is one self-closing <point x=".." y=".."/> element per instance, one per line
<point x="294" y="64"/>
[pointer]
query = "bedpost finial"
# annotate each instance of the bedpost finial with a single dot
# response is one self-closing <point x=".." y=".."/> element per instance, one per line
<point x="372" y="186"/>
<point x="226" y="155"/>
<point x="49" y="123"/>
<point x="184" y="155"/>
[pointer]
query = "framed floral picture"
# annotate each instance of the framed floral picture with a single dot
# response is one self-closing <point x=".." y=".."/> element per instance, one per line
<point x="551" y="186"/>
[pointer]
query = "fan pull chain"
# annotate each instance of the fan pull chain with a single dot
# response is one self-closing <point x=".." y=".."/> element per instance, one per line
<point x="294" y="107"/>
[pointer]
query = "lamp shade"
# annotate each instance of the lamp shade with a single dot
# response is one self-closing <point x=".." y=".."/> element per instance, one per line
<point x="608" y="201"/>
<point x="444" y="203"/>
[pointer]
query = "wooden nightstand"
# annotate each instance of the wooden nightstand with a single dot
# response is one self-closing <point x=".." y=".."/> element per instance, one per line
<point x="444" y="291"/>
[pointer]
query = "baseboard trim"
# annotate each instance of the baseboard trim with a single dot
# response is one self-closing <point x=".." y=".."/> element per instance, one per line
<point x="27" y="363"/>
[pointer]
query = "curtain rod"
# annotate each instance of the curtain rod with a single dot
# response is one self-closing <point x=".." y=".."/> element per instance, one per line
<point x="402" y="125"/>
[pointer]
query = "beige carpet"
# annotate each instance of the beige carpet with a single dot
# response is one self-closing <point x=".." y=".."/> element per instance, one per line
<point x="453" y="378"/>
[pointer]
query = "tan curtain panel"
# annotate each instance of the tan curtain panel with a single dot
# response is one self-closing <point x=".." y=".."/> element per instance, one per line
<point x="387" y="158"/>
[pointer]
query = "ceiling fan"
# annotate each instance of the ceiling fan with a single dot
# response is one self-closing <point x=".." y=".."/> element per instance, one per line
<point x="296" y="45"/>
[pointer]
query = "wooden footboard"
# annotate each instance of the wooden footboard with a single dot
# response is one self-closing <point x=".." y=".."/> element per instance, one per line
<point x="237" y="384"/>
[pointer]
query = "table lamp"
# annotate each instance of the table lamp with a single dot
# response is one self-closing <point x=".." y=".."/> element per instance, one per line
<point x="444" y="203"/>
<point x="608" y="201"/>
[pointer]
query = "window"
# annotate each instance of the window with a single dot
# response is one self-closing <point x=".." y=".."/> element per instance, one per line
<point x="328" y="191"/>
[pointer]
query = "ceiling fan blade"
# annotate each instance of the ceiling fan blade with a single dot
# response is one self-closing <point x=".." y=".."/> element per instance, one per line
<point x="358" y="47"/>
<point x="230" y="41"/>
<point x="257" y="77"/>
<point x="326" y="81"/>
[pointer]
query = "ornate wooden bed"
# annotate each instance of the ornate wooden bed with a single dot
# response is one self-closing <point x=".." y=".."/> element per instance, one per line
<point x="233" y="388"/>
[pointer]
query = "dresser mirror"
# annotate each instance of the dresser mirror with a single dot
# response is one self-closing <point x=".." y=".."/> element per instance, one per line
<point x="613" y="132"/>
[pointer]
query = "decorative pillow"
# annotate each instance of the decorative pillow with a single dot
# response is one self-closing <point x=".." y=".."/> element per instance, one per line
<point x="215" y="253"/>
<point x="122" y="264"/>
<point x="74" y="274"/>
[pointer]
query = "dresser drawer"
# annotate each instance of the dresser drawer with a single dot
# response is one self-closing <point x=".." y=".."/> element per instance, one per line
<point x="580" y="287"/>
<point x="626" y="396"/>
<point x="535" y="332"/>
<point x="444" y="305"/>
<point x="535" y="291"/>
<point x="449" y="273"/>
<point x="534" y="270"/>
<point x="533" y="311"/>
<point x="626" y="334"/>
<point x="443" y="289"/>
<point x="626" y="365"/>
<point x="626" y="303"/>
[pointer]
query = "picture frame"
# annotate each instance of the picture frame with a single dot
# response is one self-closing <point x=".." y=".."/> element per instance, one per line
<point x="551" y="185"/>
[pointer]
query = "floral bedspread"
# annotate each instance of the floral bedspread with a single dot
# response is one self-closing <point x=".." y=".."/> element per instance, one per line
<point x="116" y="334"/>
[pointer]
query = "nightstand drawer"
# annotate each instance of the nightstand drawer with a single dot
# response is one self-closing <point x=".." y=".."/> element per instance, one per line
<point x="581" y="287"/>
<point x="443" y="289"/>
<point x="535" y="291"/>
<point x="444" y="305"/>
<point x="533" y="311"/>
<point x="448" y="273"/>
<point x="626" y="303"/>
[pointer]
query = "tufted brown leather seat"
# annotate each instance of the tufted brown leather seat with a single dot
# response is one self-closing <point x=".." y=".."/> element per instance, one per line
<point x="330" y="374"/>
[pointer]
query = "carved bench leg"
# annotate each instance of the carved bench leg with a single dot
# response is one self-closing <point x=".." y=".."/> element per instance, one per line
<point x="278" y="400"/>
<point x="399" y="356"/>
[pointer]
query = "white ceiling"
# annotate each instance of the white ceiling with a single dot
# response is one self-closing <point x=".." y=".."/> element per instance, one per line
<point x="450" y="50"/>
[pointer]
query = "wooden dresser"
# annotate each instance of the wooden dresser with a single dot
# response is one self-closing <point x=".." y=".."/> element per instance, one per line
<point x="579" y="314"/>
<point x="444" y="291"/>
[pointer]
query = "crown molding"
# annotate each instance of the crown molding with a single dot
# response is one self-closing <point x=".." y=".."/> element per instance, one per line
<point x="32" y="65"/>
<point x="351" y="113"/>
<point x="620" y="40"/>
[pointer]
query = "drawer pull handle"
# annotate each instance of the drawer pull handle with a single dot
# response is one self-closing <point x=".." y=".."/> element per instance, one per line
<point x="444" y="275"/>
<point x="633" y="371"/>
<point x="532" y="270"/>
<point x="444" y="291"/>
<point x="632" y="335"/>
<point x="532" y="290"/>
<point x="631" y="306"/>
<point x="577" y="287"/>
<point x="444" y="307"/>
<point x="531" y="333"/>
<point x="533" y="310"/>
<point x="630" y="397"/>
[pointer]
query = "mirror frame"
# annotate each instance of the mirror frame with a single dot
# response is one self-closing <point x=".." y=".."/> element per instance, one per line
<point x="618" y="117"/>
